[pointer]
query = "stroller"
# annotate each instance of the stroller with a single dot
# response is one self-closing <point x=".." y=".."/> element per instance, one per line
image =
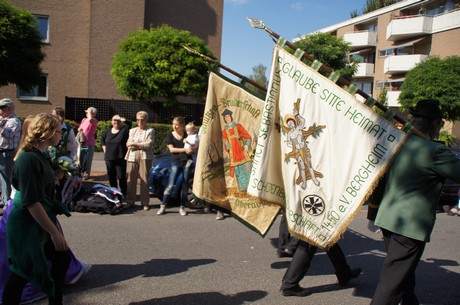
<point x="72" y="182"/>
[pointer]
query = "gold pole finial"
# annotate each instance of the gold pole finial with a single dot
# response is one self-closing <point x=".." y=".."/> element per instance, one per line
<point x="256" y="23"/>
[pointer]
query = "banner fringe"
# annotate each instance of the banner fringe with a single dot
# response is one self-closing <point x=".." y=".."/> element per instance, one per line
<point x="205" y="203"/>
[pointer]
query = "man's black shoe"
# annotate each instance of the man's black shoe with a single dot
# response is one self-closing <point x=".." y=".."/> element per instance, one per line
<point x="354" y="273"/>
<point x="285" y="253"/>
<point x="295" y="292"/>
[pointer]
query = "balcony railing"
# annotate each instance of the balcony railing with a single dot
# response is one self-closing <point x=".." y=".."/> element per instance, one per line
<point x="364" y="70"/>
<point x="402" y="63"/>
<point x="361" y="39"/>
<point x="409" y="26"/>
<point x="393" y="98"/>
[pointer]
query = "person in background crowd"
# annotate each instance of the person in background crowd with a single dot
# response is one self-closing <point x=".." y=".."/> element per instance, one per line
<point x="67" y="146"/>
<point x="33" y="233"/>
<point x="89" y="128"/>
<point x="113" y="142"/>
<point x="191" y="141"/>
<point x="455" y="211"/>
<point x="175" y="143"/>
<point x="139" y="157"/>
<point x="10" y="132"/>
<point x="407" y="210"/>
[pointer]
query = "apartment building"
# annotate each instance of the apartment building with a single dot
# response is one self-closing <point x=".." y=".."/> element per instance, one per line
<point x="81" y="36"/>
<point x="390" y="41"/>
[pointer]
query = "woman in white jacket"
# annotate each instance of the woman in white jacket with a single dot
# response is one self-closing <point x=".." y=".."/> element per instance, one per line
<point x="139" y="160"/>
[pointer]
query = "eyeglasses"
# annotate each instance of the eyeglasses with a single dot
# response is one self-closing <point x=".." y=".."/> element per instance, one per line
<point x="140" y="120"/>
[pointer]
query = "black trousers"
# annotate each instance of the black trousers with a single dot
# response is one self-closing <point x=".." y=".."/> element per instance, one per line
<point x="60" y="262"/>
<point x="397" y="278"/>
<point x="285" y="239"/>
<point x="302" y="261"/>
<point x="116" y="170"/>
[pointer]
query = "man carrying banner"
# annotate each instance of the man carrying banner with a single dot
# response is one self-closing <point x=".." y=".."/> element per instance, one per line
<point x="301" y="262"/>
<point x="407" y="211"/>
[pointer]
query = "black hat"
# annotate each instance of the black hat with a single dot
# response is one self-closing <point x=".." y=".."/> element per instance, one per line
<point x="227" y="112"/>
<point x="428" y="108"/>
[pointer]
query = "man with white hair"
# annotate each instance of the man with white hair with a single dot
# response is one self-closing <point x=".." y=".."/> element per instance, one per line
<point x="10" y="133"/>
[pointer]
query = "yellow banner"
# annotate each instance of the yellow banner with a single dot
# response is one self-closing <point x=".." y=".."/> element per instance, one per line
<point x="228" y="137"/>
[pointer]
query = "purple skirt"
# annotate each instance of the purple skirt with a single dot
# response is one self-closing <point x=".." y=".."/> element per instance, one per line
<point x="31" y="292"/>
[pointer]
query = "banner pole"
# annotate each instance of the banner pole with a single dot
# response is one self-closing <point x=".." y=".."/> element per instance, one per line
<point x="259" y="24"/>
<point x="217" y="63"/>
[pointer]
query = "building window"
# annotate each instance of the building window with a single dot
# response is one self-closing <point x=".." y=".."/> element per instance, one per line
<point x="43" y="27"/>
<point x="372" y="27"/>
<point x="385" y="52"/>
<point x="38" y="92"/>
<point x="364" y="86"/>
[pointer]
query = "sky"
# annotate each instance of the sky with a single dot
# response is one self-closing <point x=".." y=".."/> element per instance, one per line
<point x="244" y="47"/>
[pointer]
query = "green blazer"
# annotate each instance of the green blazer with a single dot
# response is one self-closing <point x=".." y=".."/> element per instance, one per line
<point x="413" y="187"/>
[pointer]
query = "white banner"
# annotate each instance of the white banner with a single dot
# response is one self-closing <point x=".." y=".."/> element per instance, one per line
<point x="319" y="150"/>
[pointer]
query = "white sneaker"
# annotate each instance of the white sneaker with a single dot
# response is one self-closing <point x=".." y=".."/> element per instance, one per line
<point x="220" y="215"/>
<point x="182" y="211"/>
<point x="162" y="210"/>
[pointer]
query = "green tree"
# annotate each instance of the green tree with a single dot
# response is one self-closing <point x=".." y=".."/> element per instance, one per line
<point x="20" y="47"/>
<point x="152" y="63"/>
<point x="434" y="78"/>
<point x="372" y="5"/>
<point x="258" y="75"/>
<point x="329" y="50"/>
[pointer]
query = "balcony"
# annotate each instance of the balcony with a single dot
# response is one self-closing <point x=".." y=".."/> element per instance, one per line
<point x="401" y="63"/>
<point x="393" y="98"/>
<point x="364" y="70"/>
<point x="446" y="21"/>
<point x="409" y="26"/>
<point x="361" y="39"/>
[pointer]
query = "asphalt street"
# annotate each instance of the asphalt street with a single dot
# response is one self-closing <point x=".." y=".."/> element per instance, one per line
<point x="140" y="258"/>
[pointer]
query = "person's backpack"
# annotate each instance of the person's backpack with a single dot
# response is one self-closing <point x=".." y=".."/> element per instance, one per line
<point x="99" y="198"/>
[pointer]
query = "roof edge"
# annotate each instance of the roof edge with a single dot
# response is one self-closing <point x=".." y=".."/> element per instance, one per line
<point x="364" y="17"/>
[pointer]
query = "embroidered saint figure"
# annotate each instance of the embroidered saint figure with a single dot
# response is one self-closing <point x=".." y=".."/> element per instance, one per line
<point x="293" y="125"/>
<point x="237" y="143"/>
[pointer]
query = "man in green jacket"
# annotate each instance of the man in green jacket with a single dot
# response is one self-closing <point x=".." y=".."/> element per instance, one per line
<point x="407" y="211"/>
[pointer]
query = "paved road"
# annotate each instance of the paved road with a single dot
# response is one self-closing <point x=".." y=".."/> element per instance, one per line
<point x="140" y="258"/>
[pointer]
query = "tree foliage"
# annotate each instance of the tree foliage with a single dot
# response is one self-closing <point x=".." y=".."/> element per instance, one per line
<point x="152" y="63"/>
<point x="259" y="76"/>
<point x="372" y="5"/>
<point x="329" y="50"/>
<point x="20" y="47"/>
<point x="434" y="78"/>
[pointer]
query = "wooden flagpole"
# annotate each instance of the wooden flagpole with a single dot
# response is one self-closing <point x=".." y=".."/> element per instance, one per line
<point x="218" y="64"/>
<point x="258" y="24"/>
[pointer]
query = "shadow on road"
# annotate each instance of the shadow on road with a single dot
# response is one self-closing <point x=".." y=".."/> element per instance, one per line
<point x="104" y="275"/>
<point x="209" y="298"/>
<point x="368" y="254"/>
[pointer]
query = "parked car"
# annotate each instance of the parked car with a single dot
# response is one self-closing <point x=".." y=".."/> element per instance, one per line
<point x="159" y="178"/>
